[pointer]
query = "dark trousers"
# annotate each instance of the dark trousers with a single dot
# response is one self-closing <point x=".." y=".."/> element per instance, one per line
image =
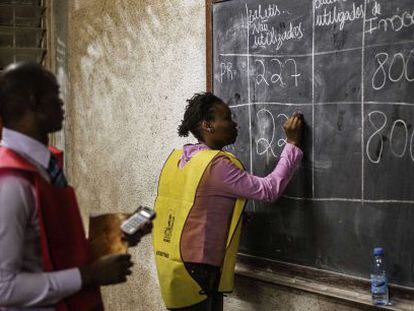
<point x="208" y="277"/>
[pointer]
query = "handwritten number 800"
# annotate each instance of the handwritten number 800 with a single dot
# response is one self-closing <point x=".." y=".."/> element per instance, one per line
<point x="382" y="73"/>
<point x="377" y="133"/>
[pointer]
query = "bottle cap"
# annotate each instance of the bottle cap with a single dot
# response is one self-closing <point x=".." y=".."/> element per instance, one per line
<point x="378" y="251"/>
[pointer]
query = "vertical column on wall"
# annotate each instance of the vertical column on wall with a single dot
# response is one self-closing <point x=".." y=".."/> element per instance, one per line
<point x="363" y="105"/>
<point x="229" y="72"/>
<point x="388" y="107"/>
<point x="262" y="68"/>
<point x="50" y="55"/>
<point x="58" y="57"/>
<point x="338" y="76"/>
<point x="47" y="22"/>
<point x="209" y="47"/>
<point x="282" y="83"/>
<point x="249" y="100"/>
<point x="313" y="99"/>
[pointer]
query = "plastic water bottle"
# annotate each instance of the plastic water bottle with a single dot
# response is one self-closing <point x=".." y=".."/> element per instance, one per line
<point x="379" y="281"/>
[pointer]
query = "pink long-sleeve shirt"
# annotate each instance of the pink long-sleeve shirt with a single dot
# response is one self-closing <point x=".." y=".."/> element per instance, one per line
<point x="205" y="232"/>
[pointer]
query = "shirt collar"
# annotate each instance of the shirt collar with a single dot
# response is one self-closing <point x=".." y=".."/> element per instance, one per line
<point x="26" y="146"/>
<point x="191" y="149"/>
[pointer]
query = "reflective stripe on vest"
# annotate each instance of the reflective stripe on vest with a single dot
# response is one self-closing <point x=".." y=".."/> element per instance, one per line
<point x="176" y="195"/>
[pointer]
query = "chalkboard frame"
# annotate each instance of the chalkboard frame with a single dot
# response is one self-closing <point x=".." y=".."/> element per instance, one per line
<point x="324" y="282"/>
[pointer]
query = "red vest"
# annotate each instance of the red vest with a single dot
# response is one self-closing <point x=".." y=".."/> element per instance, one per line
<point x="62" y="235"/>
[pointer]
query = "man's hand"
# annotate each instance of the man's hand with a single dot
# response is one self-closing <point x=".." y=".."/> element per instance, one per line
<point x="134" y="239"/>
<point x="108" y="270"/>
<point x="293" y="129"/>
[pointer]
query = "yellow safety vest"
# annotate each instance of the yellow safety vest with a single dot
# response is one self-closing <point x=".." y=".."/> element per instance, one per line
<point x="176" y="195"/>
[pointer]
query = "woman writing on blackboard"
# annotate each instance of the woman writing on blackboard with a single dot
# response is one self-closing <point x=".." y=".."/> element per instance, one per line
<point x="201" y="196"/>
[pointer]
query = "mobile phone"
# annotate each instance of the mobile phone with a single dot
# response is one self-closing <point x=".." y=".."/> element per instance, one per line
<point x="139" y="218"/>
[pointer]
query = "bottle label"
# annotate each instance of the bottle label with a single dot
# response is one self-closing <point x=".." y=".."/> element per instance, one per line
<point x="379" y="284"/>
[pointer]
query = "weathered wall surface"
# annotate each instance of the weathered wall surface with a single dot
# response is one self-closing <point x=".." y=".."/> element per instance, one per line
<point x="131" y="65"/>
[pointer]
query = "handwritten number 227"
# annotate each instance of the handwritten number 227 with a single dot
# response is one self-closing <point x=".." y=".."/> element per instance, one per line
<point x="276" y="78"/>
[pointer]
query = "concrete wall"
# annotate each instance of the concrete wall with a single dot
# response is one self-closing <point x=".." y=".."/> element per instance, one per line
<point x="131" y="65"/>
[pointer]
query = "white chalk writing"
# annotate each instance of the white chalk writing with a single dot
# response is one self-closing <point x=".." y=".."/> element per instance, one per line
<point x="282" y="75"/>
<point x="278" y="36"/>
<point x="388" y="66"/>
<point x="264" y="15"/>
<point x="265" y="34"/>
<point x="375" y="143"/>
<point x="320" y="3"/>
<point x="264" y="145"/>
<point x="396" y="23"/>
<point x="227" y="71"/>
<point x="333" y="15"/>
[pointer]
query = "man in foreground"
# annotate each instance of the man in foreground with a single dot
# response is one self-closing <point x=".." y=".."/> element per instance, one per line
<point x="44" y="254"/>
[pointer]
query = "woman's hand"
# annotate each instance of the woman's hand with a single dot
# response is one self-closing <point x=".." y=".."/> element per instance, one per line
<point x="293" y="129"/>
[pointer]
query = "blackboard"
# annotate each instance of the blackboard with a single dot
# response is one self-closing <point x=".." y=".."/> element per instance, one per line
<point x="348" y="66"/>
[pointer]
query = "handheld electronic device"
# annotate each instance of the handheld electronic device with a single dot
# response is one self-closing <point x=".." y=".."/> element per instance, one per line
<point x="139" y="218"/>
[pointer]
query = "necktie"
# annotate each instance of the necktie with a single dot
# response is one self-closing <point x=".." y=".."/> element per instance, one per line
<point x="57" y="177"/>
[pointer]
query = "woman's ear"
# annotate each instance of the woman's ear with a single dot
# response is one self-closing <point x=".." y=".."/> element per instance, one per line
<point x="206" y="126"/>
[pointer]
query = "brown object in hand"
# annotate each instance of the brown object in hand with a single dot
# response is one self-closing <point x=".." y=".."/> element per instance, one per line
<point x="105" y="235"/>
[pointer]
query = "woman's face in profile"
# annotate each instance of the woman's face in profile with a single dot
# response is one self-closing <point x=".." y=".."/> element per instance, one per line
<point x="224" y="129"/>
